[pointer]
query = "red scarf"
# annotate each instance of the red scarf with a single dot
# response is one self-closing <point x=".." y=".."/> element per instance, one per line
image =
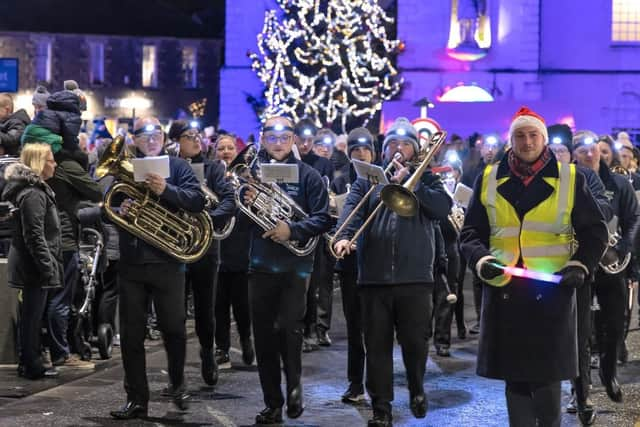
<point x="527" y="171"/>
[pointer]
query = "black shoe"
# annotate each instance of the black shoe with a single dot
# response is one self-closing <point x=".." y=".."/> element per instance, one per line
<point x="248" y="354"/>
<point x="45" y="373"/>
<point x="418" y="406"/>
<point x="295" y="407"/>
<point x="130" y="411"/>
<point x="443" y="352"/>
<point x="571" y="407"/>
<point x="354" y="394"/>
<point x="222" y="359"/>
<point x="208" y="367"/>
<point x="269" y="416"/>
<point x="181" y="399"/>
<point x="475" y="329"/>
<point x="462" y="332"/>
<point x="380" y="419"/>
<point x="611" y="385"/>
<point x="323" y="338"/>
<point x="586" y="413"/>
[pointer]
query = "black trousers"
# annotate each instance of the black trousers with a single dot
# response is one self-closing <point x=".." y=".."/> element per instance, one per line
<point x="533" y="404"/>
<point x="442" y="310"/>
<point x="202" y="277"/>
<point x="109" y="297"/>
<point x="233" y="292"/>
<point x="34" y="302"/>
<point x="320" y="293"/>
<point x="138" y="284"/>
<point x="404" y="309"/>
<point x="477" y="294"/>
<point x="459" y="306"/>
<point x="583" y="305"/>
<point x="353" y="316"/>
<point x="609" y="320"/>
<point x="277" y="303"/>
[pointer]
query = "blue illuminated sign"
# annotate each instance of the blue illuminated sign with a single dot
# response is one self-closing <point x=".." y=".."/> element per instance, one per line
<point x="8" y="74"/>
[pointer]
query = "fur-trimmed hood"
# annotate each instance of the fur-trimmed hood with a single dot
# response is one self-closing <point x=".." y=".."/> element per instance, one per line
<point x="17" y="177"/>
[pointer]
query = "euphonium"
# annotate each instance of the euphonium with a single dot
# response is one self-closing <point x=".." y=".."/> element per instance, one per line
<point x="183" y="235"/>
<point x="270" y="205"/>
<point x="212" y="202"/>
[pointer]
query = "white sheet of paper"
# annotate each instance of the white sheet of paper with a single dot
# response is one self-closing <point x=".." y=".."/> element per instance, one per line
<point x="279" y="172"/>
<point x="143" y="166"/>
<point x="198" y="170"/>
<point x="370" y="172"/>
<point x="462" y="195"/>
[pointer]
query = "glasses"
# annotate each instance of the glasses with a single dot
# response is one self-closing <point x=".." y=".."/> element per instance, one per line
<point x="275" y="139"/>
<point x="191" y="136"/>
<point x="146" y="137"/>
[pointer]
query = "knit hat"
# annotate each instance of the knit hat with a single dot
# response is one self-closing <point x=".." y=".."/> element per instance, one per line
<point x="305" y="128"/>
<point x="402" y="130"/>
<point x="72" y="86"/>
<point x="101" y="131"/>
<point x="561" y="134"/>
<point x="35" y="133"/>
<point x="40" y="97"/>
<point x="359" y="137"/>
<point x="584" y="137"/>
<point x="526" y="117"/>
<point x="179" y="127"/>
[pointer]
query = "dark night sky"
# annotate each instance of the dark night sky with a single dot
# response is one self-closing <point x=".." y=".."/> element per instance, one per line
<point x="177" y="18"/>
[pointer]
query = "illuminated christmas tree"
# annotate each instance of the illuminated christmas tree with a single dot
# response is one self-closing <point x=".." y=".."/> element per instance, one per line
<point x="328" y="60"/>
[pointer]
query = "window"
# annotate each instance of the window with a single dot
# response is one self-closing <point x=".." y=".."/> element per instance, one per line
<point x="96" y="58"/>
<point x="625" y="21"/>
<point x="190" y="66"/>
<point x="149" y="66"/>
<point x="43" y="61"/>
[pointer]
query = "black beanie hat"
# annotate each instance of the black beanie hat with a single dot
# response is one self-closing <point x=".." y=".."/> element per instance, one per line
<point x="561" y="134"/>
<point x="359" y="137"/>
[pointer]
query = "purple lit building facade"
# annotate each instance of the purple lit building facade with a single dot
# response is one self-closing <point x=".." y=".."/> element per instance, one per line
<point x="558" y="57"/>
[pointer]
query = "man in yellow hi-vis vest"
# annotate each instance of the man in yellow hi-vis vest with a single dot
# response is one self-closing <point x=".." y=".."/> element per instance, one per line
<point x="528" y="211"/>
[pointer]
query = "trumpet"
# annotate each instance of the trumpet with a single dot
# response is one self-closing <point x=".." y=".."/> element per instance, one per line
<point x="270" y="205"/>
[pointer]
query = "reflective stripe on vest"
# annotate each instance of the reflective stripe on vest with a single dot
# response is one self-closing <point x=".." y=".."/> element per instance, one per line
<point x="544" y="237"/>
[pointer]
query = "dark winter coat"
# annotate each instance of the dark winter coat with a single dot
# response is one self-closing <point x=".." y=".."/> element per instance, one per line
<point x="72" y="184"/>
<point x="395" y="249"/>
<point x="528" y="328"/>
<point x="35" y="256"/>
<point x="11" y="130"/>
<point x="339" y="186"/>
<point x="322" y="165"/>
<point x="311" y="195"/>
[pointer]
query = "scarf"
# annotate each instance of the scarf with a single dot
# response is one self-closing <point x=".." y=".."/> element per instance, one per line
<point x="527" y="171"/>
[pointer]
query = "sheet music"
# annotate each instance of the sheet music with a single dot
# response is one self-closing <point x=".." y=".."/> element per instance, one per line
<point x="370" y="172"/>
<point x="155" y="164"/>
<point x="279" y="172"/>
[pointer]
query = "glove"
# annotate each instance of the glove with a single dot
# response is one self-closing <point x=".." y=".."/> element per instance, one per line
<point x="491" y="268"/>
<point x="572" y="276"/>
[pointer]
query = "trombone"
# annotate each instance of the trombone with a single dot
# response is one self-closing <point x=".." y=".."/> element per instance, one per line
<point x="399" y="198"/>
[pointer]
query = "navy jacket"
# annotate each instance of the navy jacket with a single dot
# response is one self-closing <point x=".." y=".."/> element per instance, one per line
<point x="11" y="130"/>
<point x="311" y="195"/>
<point x="595" y="185"/>
<point x="182" y="191"/>
<point x="395" y="249"/>
<point x="528" y="328"/>
<point x="322" y="165"/>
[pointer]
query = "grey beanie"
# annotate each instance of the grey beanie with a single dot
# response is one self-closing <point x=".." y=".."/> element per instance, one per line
<point x="359" y="137"/>
<point x="40" y="96"/>
<point x="402" y="130"/>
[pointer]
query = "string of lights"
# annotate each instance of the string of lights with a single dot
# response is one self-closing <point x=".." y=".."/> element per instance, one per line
<point x="329" y="60"/>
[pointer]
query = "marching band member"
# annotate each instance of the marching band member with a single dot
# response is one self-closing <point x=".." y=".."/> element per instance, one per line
<point x="278" y="280"/>
<point x="522" y="214"/>
<point x="202" y="275"/>
<point x="395" y="275"/>
<point x="610" y="288"/>
<point x="359" y="147"/>
<point x="320" y="294"/>
<point x="147" y="272"/>
<point x="233" y="286"/>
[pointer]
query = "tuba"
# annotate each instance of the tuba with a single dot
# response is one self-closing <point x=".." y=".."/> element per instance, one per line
<point x="271" y="204"/>
<point x="183" y="235"/>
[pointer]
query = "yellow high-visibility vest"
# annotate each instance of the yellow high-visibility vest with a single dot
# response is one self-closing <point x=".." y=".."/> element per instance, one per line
<point x="544" y="237"/>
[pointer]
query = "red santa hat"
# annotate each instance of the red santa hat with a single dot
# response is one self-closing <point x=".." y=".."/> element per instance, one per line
<point x="526" y="117"/>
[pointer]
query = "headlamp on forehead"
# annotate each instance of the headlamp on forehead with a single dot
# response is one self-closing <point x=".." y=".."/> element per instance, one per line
<point x="491" y="140"/>
<point x="194" y="124"/>
<point x="327" y="140"/>
<point x="401" y="132"/>
<point x="148" y="128"/>
<point x="362" y="139"/>
<point x="588" y="141"/>
<point x="618" y="146"/>
<point x="307" y="132"/>
<point x="452" y="157"/>
<point x="278" y="127"/>
<point x="556" y="140"/>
